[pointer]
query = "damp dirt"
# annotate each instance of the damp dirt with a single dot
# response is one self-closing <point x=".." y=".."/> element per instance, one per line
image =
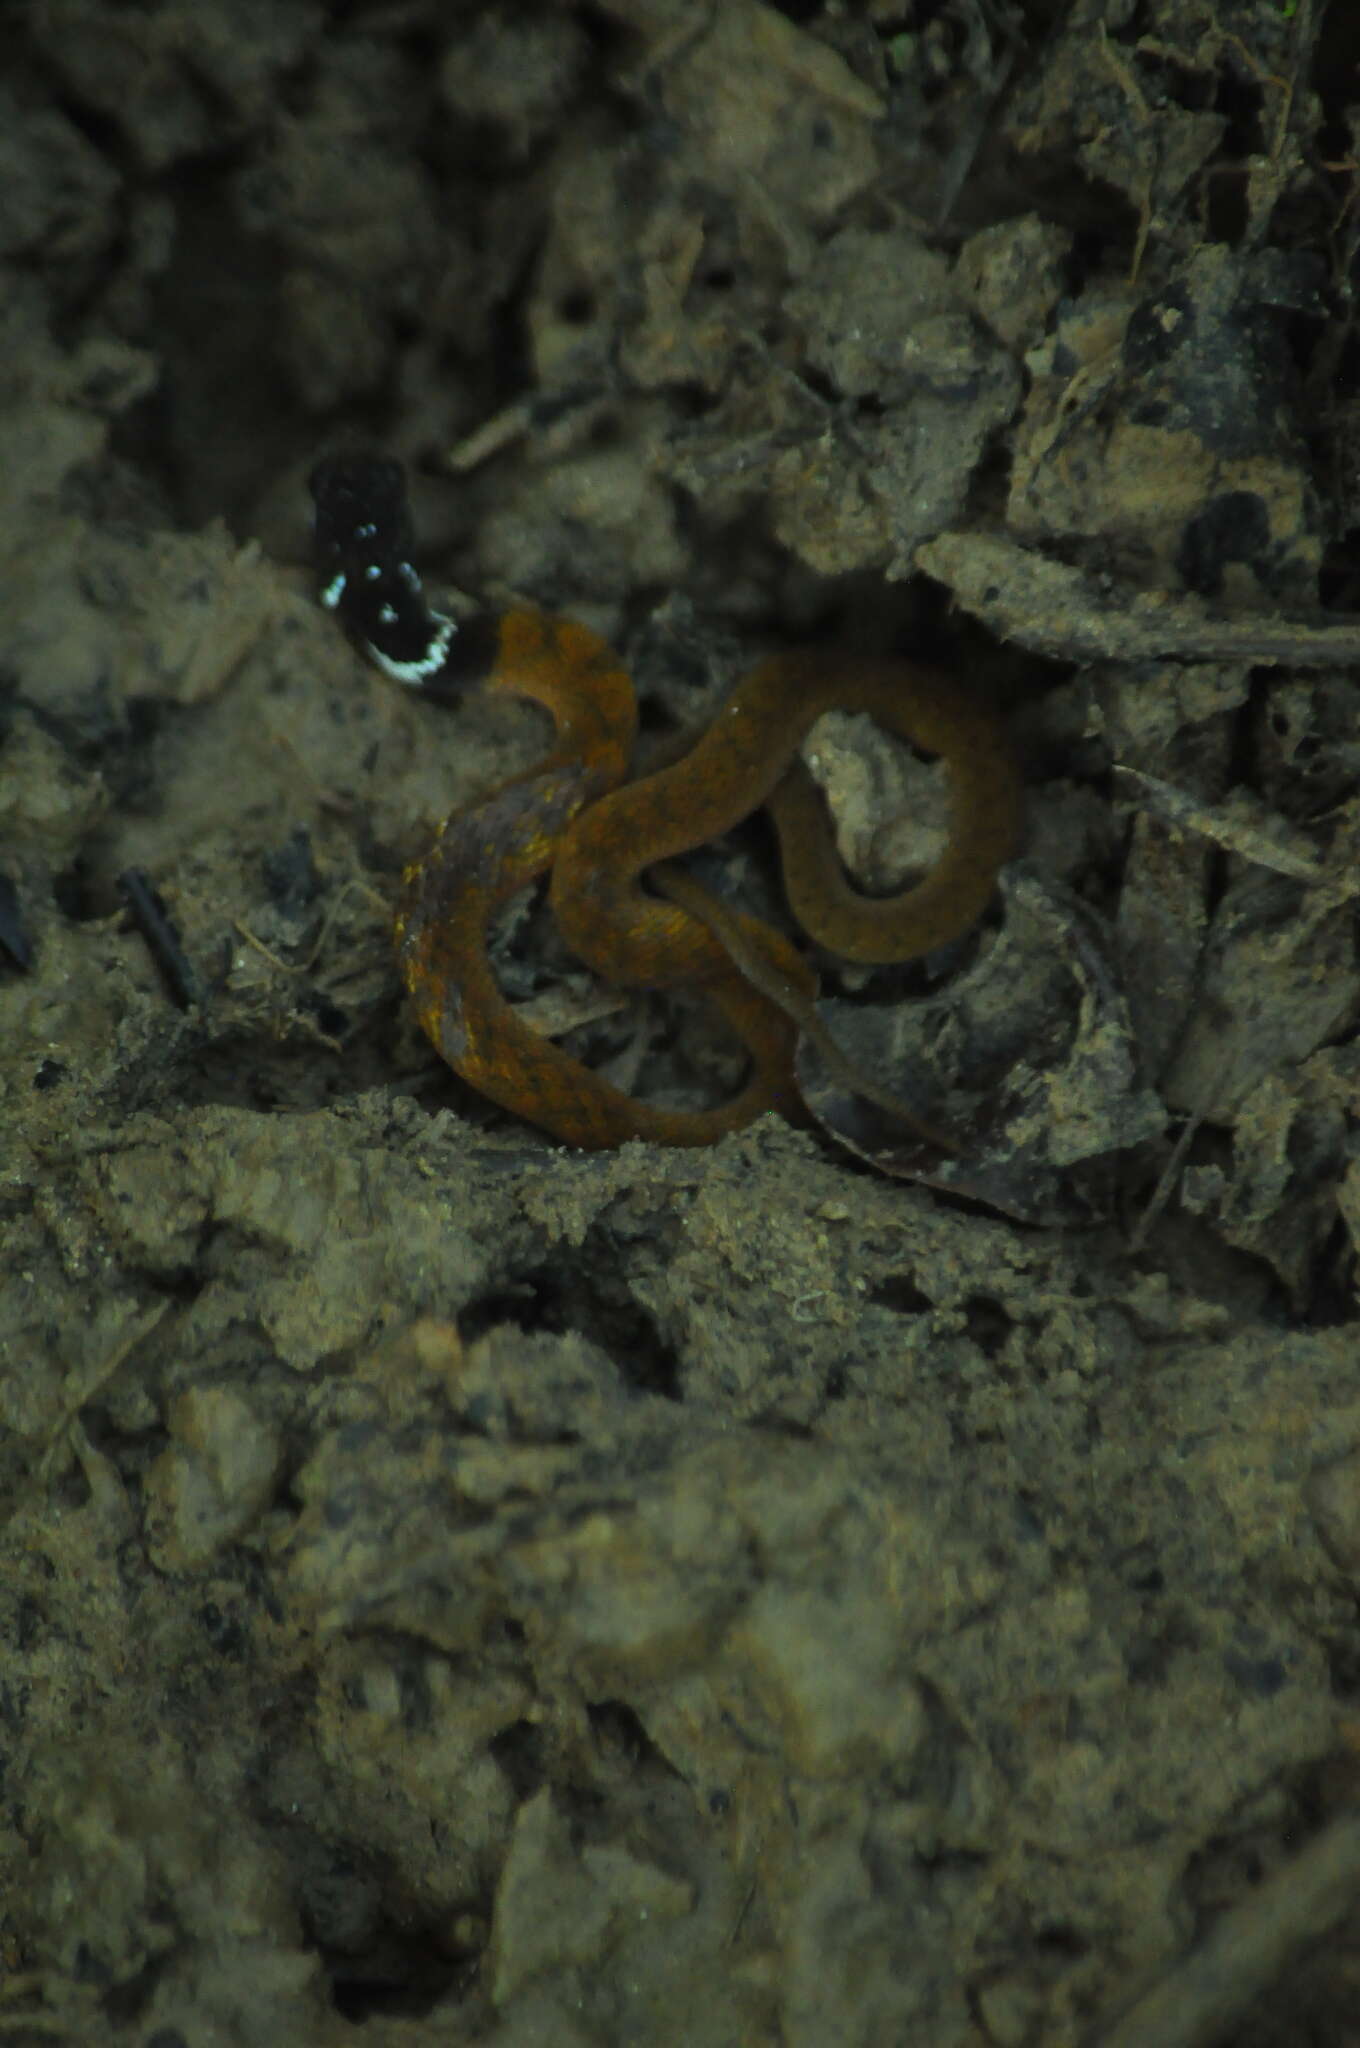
<point x="458" y="1589"/>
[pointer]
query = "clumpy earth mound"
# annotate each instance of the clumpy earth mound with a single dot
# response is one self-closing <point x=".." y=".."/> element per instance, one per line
<point x="455" y="1589"/>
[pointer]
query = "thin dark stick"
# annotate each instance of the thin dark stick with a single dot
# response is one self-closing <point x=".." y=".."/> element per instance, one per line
<point x="14" y="940"/>
<point x="148" y="913"/>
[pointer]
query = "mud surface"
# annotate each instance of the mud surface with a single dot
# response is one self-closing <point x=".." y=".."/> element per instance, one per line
<point x="458" y="1590"/>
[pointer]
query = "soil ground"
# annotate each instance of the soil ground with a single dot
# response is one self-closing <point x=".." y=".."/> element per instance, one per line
<point x="458" y="1589"/>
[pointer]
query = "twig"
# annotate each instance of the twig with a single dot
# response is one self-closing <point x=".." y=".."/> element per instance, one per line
<point x="1025" y="597"/>
<point x="1222" y="1981"/>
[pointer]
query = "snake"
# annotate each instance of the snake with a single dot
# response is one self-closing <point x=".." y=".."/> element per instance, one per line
<point x="608" y="843"/>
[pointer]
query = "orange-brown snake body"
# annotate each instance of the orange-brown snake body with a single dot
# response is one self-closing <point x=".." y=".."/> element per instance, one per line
<point x="577" y="818"/>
